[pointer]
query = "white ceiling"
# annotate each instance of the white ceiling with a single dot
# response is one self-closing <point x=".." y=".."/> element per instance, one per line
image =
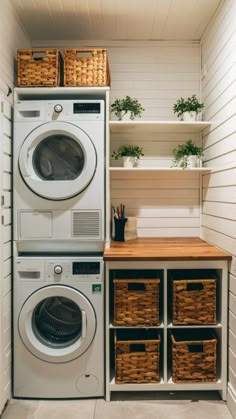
<point x="115" y="19"/>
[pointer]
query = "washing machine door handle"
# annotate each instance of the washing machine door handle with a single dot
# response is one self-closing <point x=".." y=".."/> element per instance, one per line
<point x="25" y="168"/>
<point x="84" y="324"/>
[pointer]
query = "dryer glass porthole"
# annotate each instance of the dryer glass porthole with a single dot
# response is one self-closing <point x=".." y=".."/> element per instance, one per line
<point x="57" y="322"/>
<point x="58" y="157"/>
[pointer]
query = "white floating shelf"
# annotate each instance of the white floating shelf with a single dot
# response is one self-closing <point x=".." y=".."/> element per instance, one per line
<point x="27" y="93"/>
<point x="122" y="127"/>
<point x="159" y="169"/>
<point x="165" y="386"/>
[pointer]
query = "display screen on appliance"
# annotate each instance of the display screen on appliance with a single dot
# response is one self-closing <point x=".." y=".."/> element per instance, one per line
<point x="87" y="107"/>
<point x="86" y="268"/>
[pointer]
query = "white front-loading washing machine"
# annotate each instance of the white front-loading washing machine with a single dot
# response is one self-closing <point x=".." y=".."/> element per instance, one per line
<point x="59" y="175"/>
<point x="58" y="327"/>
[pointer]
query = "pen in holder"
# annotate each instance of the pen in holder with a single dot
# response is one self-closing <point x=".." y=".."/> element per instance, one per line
<point x="120" y="229"/>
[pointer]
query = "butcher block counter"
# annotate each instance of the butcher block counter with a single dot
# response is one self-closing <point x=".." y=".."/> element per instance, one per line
<point x="151" y="249"/>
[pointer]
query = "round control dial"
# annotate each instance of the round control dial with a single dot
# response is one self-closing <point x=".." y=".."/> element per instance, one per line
<point x="58" y="269"/>
<point x="58" y="108"/>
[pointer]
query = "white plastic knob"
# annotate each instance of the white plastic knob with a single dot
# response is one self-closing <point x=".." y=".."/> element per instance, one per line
<point x="58" y="108"/>
<point x="58" y="269"/>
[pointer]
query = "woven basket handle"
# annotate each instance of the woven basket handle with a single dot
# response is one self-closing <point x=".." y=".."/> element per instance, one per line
<point x="38" y="55"/>
<point x="137" y="347"/>
<point x="85" y="54"/>
<point x="136" y="286"/>
<point x="195" y="286"/>
<point x="196" y="347"/>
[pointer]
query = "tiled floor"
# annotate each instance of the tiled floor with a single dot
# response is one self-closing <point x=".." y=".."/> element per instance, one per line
<point x="128" y="409"/>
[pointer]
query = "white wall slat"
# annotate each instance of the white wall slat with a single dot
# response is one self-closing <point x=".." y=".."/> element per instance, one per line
<point x="232" y="303"/>
<point x="168" y="232"/>
<point x="221" y="194"/>
<point x="232" y="322"/>
<point x="232" y="361"/>
<point x="220" y="209"/>
<point x="158" y="193"/>
<point x="222" y="225"/>
<point x="232" y="341"/>
<point x="232" y="283"/>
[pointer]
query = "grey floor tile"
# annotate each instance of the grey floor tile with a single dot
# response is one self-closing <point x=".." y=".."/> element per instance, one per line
<point x="174" y="409"/>
<point x="110" y="410"/>
<point x="50" y="409"/>
<point x="20" y="409"/>
<point x="66" y="409"/>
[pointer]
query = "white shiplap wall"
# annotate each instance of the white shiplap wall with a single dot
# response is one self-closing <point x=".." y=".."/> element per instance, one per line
<point x="219" y="188"/>
<point x="11" y="38"/>
<point x="157" y="74"/>
<point x="165" y="204"/>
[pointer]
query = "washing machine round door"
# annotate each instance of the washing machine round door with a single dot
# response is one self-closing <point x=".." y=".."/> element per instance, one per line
<point x="57" y="323"/>
<point x="57" y="160"/>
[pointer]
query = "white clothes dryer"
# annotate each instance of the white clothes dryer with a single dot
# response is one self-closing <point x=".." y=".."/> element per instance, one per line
<point x="59" y="175"/>
<point x="58" y="327"/>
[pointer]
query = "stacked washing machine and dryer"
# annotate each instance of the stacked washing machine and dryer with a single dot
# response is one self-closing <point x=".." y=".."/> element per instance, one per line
<point x="59" y="197"/>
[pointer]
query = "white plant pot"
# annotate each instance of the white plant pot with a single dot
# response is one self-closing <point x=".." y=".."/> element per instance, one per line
<point x="190" y="116"/>
<point x="126" y="116"/>
<point x="199" y="161"/>
<point x="192" y="161"/>
<point x="128" y="161"/>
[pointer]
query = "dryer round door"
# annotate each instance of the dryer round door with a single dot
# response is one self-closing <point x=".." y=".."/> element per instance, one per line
<point x="57" y="323"/>
<point x="57" y="160"/>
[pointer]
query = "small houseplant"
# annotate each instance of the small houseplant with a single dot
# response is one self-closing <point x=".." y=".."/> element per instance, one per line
<point x="187" y="109"/>
<point x="187" y="155"/>
<point x="128" y="106"/>
<point x="130" y="154"/>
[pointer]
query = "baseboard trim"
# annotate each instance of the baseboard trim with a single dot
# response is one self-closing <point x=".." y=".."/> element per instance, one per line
<point x="231" y="400"/>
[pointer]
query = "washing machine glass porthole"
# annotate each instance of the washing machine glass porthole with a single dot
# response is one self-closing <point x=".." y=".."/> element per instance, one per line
<point x="58" y="157"/>
<point x="57" y="322"/>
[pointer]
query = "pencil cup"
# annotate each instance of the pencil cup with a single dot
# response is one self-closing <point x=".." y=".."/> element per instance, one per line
<point x="120" y="229"/>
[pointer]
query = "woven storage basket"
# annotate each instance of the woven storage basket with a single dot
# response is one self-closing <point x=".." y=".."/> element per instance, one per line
<point x="194" y="301"/>
<point x="137" y="361"/>
<point x="38" y="67"/>
<point x="136" y="302"/>
<point x="86" y="67"/>
<point x="193" y="356"/>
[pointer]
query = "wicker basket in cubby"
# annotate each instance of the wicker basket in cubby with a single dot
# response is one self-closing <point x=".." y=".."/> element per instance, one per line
<point x="137" y="361"/>
<point x="38" y="68"/>
<point x="136" y="302"/>
<point x="194" y="355"/>
<point x="194" y="301"/>
<point x="86" y="67"/>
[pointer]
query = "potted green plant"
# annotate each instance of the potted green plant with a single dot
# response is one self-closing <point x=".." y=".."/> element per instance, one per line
<point x="187" y="109"/>
<point x="187" y="155"/>
<point x="130" y="154"/>
<point x="127" y="107"/>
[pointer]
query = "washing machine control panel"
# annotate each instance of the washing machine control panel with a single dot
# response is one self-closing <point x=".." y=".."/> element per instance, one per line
<point x="63" y="271"/>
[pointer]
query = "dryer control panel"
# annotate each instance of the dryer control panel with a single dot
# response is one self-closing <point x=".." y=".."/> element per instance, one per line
<point x="75" y="110"/>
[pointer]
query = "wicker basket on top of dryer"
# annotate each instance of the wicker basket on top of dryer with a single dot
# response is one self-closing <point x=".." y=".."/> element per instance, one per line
<point x="79" y="67"/>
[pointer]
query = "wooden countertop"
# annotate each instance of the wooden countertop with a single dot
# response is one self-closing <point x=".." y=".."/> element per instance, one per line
<point x="142" y="249"/>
